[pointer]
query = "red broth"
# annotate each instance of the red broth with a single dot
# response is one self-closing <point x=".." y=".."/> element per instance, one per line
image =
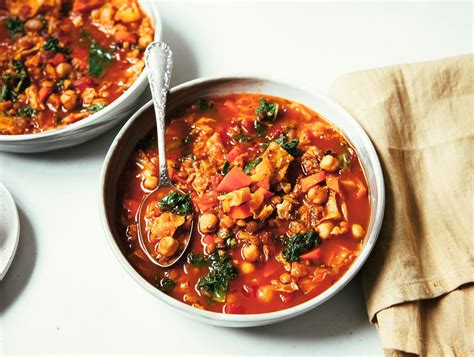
<point x="284" y="197"/>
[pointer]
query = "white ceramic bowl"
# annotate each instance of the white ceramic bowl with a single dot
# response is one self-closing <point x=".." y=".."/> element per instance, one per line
<point x="139" y="125"/>
<point x="94" y="125"/>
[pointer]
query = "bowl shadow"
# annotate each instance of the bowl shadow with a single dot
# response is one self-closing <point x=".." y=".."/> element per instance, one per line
<point x="22" y="266"/>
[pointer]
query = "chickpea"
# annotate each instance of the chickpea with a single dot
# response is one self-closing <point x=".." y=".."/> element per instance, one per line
<point x="250" y="252"/>
<point x="241" y="223"/>
<point x="226" y="222"/>
<point x="211" y="248"/>
<point x="68" y="99"/>
<point x="318" y="195"/>
<point x="358" y="231"/>
<point x="167" y="246"/>
<point x="329" y="163"/>
<point x="34" y="24"/>
<point x="247" y="268"/>
<point x="285" y="278"/>
<point x="150" y="183"/>
<point x="208" y="223"/>
<point x="144" y="41"/>
<point x="63" y="69"/>
<point x="324" y="229"/>
<point x="276" y="199"/>
<point x="265" y="294"/>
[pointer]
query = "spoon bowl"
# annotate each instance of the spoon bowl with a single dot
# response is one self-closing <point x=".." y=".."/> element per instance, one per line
<point x="165" y="253"/>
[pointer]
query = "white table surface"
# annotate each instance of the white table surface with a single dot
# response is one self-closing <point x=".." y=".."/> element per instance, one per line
<point x="66" y="292"/>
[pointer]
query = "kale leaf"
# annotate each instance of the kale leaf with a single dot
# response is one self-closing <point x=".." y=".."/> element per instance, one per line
<point x="94" y="108"/>
<point x="26" y="112"/>
<point x="197" y="259"/>
<point x="99" y="59"/>
<point x="15" y="27"/>
<point x="226" y="168"/>
<point x="166" y="285"/>
<point x="176" y="203"/>
<point x="204" y="105"/>
<point x="216" y="282"/>
<point x="290" y="146"/>
<point x="52" y="44"/>
<point x="14" y="83"/>
<point x="267" y="110"/>
<point x="298" y="244"/>
<point x="252" y="164"/>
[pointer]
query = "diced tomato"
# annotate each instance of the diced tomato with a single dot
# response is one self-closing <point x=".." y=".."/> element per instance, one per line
<point x="125" y="36"/>
<point x="172" y="171"/>
<point x="80" y="54"/>
<point x="86" y="5"/>
<point x="333" y="183"/>
<point x="312" y="180"/>
<point x="236" y="151"/>
<point x="44" y="93"/>
<point x="206" y="201"/>
<point x="266" y="194"/>
<point x="258" y="197"/>
<point x="206" y="240"/>
<point x="265" y="183"/>
<point x="233" y="308"/>
<point x="314" y="254"/>
<point x="234" y="180"/>
<point x="83" y="83"/>
<point x="240" y="212"/>
<point x="57" y="59"/>
<point x="131" y="206"/>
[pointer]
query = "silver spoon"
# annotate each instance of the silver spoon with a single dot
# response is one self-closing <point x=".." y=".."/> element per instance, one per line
<point x="159" y="63"/>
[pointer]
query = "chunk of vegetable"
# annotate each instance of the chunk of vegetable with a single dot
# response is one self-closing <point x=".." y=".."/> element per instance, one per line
<point x="312" y="180"/>
<point x="267" y="110"/>
<point x="99" y="59"/>
<point x="236" y="151"/>
<point x="240" y="212"/>
<point x="234" y="180"/>
<point x="314" y="254"/>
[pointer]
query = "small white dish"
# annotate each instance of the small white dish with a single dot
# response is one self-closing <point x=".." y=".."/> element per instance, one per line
<point x="95" y="124"/>
<point x="9" y="230"/>
<point x="139" y="125"/>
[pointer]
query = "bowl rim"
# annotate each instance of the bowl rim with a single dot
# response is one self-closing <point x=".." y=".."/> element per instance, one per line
<point x="155" y="16"/>
<point x="245" y="320"/>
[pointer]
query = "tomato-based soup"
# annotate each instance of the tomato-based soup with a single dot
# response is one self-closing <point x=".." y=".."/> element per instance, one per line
<point x="279" y="199"/>
<point x="61" y="61"/>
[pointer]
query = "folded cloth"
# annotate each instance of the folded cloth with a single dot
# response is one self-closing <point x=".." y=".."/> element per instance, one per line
<point x="417" y="281"/>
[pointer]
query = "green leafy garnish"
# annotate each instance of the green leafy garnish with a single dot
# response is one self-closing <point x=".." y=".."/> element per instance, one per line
<point x="267" y="110"/>
<point x="216" y="283"/>
<point x="94" y="108"/>
<point x="226" y="168"/>
<point x="197" y="259"/>
<point x="14" y="83"/>
<point x="204" y="105"/>
<point x="52" y="44"/>
<point x="289" y="146"/>
<point x="99" y="59"/>
<point x="15" y="27"/>
<point x="231" y="242"/>
<point x="345" y="160"/>
<point x="176" y="203"/>
<point x="58" y="121"/>
<point x="252" y="164"/>
<point x="241" y="138"/>
<point x="26" y="112"/>
<point x="298" y="244"/>
<point x="166" y="285"/>
<point x="260" y="129"/>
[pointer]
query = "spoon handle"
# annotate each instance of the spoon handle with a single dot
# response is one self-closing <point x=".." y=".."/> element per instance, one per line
<point x="159" y="63"/>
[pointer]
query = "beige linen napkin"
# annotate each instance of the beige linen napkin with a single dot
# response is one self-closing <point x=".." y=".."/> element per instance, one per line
<point x="418" y="279"/>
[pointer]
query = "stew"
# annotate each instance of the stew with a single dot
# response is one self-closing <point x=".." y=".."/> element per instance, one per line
<point x="61" y="61"/>
<point x="279" y="197"/>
